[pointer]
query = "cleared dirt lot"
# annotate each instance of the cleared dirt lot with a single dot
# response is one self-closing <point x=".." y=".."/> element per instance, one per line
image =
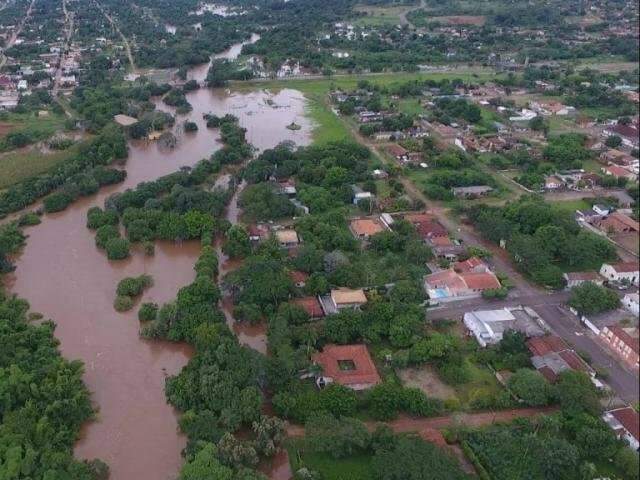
<point x="426" y="379"/>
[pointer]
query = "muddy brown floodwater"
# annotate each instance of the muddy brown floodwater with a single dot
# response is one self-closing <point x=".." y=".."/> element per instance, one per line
<point x="65" y="277"/>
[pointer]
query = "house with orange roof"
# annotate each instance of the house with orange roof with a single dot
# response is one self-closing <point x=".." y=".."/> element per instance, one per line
<point x="617" y="222"/>
<point x="364" y="228"/>
<point x="348" y="298"/>
<point x="620" y="172"/>
<point x="347" y="365"/>
<point x="551" y="356"/>
<point x="472" y="264"/>
<point x="448" y="285"/>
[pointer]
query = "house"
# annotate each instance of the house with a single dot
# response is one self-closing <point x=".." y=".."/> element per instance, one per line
<point x="617" y="222"/>
<point x="626" y="272"/>
<point x="298" y="278"/>
<point x="311" y="305"/>
<point x="258" y="233"/>
<point x="551" y="108"/>
<point x="488" y="326"/>
<point x="553" y="182"/>
<point x="631" y="302"/>
<point x="9" y="100"/>
<point x="628" y="133"/>
<point x="427" y="226"/>
<point x="364" y="228"/>
<point x="619" y="172"/>
<point x="448" y="285"/>
<point x="552" y="356"/>
<point x="473" y="264"/>
<point x="575" y="279"/>
<point x="625" y="423"/>
<point x="23" y="85"/>
<point x="348" y="298"/>
<point x="623" y="341"/>
<point x="348" y="365"/>
<point x="287" y="238"/>
<point x="616" y="157"/>
<point x="398" y="152"/>
<point x="471" y="192"/>
<point x="288" y="188"/>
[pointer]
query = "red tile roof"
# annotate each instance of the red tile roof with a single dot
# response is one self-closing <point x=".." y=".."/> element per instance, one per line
<point x="548" y="374"/>
<point x="481" y="280"/>
<point x="468" y="265"/>
<point x="543" y="345"/>
<point x="629" y="419"/>
<point x="311" y="305"/>
<point x="396" y="150"/>
<point x="363" y="373"/>
<point x="573" y="360"/>
<point x="625" y="267"/>
<point x="431" y="229"/>
<point x="298" y="277"/>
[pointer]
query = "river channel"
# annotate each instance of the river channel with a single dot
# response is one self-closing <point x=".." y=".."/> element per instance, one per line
<point x="66" y="278"/>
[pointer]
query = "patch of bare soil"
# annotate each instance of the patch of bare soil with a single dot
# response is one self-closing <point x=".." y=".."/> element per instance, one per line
<point x="427" y="380"/>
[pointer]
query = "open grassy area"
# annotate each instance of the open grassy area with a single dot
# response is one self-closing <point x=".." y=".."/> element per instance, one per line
<point x="570" y="206"/>
<point x="42" y="126"/>
<point x="20" y="165"/>
<point x="330" y="127"/>
<point x="357" y="467"/>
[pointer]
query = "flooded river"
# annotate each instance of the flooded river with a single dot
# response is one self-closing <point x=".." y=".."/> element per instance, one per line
<point x="65" y="277"/>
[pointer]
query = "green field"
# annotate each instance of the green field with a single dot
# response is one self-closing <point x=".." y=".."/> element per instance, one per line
<point x="357" y="467"/>
<point x="18" y="166"/>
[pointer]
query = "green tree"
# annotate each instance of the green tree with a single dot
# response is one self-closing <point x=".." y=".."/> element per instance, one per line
<point x="589" y="298"/>
<point x="237" y="243"/>
<point x="529" y="386"/>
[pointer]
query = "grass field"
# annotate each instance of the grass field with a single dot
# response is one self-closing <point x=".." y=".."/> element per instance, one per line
<point x="20" y="165"/>
<point x="357" y="467"/>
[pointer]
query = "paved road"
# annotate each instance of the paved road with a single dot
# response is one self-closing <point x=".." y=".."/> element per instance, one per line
<point x="622" y="380"/>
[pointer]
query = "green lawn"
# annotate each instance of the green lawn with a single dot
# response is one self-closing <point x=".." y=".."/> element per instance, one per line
<point x="570" y="206"/>
<point x="483" y="384"/>
<point x="357" y="467"/>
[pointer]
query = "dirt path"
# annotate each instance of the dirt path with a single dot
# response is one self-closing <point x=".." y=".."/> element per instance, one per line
<point x="426" y="426"/>
<point x="68" y="32"/>
<point x="125" y="40"/>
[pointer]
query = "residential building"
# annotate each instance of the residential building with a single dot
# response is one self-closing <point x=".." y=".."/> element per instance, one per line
<point x="575" y="279"/>
<point x="617" y="171"/>
<point x="623" y="341"/>
<point x="552" y="356"/>
<point x="311" y="305"/>
<point x="626" y="272"/>
<point x="398" y="152"/>
<point x="632" y="303"/>
<point x="617" y="222"/>
<point x="347" y="365"/>
<point x="298" y="278"/>
<point x="449" y="285"/>
<point x="287" y="238"/>
<point x="625" y="423"/>
<point x="628" y="134"/>
<point x="488" y="326"/>
<point x="125" y="120"/>
<point x="364" y="228"/>
<point x="473" y="264"/>
<point x="348" y="298"/>
<point x="552" y="182"/>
